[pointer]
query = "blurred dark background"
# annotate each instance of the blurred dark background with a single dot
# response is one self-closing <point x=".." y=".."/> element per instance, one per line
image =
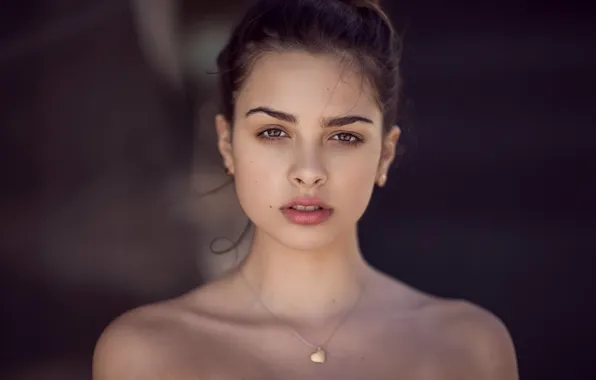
<point x="106" y="138"/>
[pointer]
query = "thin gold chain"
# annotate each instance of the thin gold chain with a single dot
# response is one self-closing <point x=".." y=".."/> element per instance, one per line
<point x="298" y="335"/>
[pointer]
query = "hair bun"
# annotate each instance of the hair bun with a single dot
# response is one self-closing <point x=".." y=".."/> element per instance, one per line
<point x="361" y="3"/>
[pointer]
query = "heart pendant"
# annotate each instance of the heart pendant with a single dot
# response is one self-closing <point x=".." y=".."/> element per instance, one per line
<point x="318" y="356"/>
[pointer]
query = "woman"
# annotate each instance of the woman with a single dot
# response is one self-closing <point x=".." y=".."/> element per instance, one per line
<point x="309" y="101"/>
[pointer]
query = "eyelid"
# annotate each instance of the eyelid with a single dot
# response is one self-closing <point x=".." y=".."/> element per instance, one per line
<point x="267" y="127"/>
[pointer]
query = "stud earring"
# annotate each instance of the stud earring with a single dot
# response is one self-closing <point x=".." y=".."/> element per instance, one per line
<point x="382" y="179"/>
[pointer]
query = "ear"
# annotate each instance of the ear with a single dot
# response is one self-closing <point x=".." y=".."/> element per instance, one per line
<point x="387" y="154"/>
<point x="224" y="142"/>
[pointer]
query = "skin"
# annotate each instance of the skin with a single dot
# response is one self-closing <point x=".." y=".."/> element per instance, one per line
<point x="307" y="276"/>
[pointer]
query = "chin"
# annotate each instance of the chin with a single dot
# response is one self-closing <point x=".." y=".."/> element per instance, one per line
<point x="300" y="244"/>
<point x="302" y="238"/>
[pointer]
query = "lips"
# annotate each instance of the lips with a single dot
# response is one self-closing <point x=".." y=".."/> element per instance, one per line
<point x="307" y="211"/>
<point x="306" y="202"/>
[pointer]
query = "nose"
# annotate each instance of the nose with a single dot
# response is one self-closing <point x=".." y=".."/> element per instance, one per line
<point x="308" y="170"/>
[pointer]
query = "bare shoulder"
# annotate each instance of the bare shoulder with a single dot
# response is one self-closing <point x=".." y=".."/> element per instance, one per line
<point x="144" y="343"/>
<point x="467" y="335"/>
<point x="477" y="338"/>
<point x="481" y="337"/>
<point x="166" y="340"/>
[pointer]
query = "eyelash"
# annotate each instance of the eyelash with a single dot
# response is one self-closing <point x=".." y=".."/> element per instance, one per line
<point x="354" y="139"/>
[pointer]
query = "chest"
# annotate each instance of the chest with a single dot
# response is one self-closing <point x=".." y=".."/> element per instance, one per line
<point x="373" y="351"/>
<point x="345" y="360"/>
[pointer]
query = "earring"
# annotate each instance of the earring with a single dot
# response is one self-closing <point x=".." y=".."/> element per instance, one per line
<point x="382" y="179"/>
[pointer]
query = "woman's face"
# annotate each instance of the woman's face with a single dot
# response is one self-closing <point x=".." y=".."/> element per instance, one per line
<point x="307" y="130"/>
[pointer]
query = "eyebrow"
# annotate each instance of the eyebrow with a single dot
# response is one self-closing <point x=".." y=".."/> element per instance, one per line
<point x="327" y="122"/>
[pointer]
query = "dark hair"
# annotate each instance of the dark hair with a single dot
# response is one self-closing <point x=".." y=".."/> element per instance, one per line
<point x="357" y="30"/>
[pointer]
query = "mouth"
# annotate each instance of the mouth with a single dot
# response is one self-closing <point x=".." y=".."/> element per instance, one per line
<point x="305" y="208"/>
<point x="307" y="211"/>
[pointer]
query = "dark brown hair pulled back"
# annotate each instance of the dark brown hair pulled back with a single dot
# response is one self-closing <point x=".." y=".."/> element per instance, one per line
<point x="357" y="30"/>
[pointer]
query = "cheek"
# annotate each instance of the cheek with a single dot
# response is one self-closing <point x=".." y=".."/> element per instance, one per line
<point x="257" y="175"/>
<point x="353" y="176"/>
<point x="356" y="164"/>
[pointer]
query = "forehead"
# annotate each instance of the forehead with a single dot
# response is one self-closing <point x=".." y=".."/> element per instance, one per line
<point x="303" y="83"/>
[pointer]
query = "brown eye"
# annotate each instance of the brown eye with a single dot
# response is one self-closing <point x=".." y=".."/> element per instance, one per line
<point x="272" y="133"/>
<point x="347" y="138"/>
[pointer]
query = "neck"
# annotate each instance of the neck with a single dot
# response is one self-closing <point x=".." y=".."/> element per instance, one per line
<point x="309" y="285"/>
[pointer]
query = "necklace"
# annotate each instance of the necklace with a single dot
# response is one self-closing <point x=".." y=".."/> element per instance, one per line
<point x="319" y="355"/>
